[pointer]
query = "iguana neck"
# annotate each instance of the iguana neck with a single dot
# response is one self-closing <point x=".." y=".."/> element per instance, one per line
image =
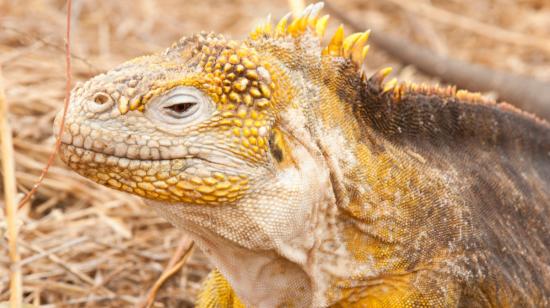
<point x="383" y="198"/>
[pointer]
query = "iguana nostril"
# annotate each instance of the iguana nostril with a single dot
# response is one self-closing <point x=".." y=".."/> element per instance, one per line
<point x="102" y="98"/>
<point x="100" y="102"/>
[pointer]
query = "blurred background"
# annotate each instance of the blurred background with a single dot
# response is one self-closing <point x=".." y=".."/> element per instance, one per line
<point x="85" y="245"/>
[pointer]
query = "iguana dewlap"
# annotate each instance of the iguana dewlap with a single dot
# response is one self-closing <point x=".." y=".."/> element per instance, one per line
<point x="308" y="184"/>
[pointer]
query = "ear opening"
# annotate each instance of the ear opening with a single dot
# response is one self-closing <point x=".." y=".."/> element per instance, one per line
<point x="279" y="149"/>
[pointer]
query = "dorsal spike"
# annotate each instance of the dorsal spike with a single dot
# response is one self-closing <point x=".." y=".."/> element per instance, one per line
<point x="254" y="33"/>
<point x="383" y="73"/>
<point x="302" y="24"/>
<point x="280" y="28"/>
<point x="388" y="86"/>
<point x="298" y="25"/>
<point x="321" y="26"/>
<point x="306" y="11"/>
<point x="314" y="14"/>
<point x="358" y="52"/>
<point x="363" y="39"/>
<point x="364" y="53"/>
<point x="334" y="48"/>
<point x="264" y="28"/>
<point x="268" y="27"/>
<point x="349" y="43"/>
<point x="293" y="27"/>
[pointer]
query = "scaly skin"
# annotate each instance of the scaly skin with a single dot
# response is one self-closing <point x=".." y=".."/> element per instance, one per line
<point x="309" y="185"/>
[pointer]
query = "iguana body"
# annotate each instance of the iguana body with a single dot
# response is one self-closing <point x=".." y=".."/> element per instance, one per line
<point x="308" y="184"/>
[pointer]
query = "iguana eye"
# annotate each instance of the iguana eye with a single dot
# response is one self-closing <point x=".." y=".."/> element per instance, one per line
<point x="180" y="106"/>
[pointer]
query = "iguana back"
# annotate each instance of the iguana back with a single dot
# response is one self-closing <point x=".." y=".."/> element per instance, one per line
<point x="481" y="172"/>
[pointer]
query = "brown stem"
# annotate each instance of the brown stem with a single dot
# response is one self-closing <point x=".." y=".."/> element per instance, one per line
<point x="10" y="192"/>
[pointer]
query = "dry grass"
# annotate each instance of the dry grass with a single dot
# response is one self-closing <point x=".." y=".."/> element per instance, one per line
<point x="8" y="170"/>
<point x="85" y="245"/>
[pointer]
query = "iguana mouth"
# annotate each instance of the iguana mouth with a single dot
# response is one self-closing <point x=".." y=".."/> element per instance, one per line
<point x="91" y="151"/>
<point x="72" y="154"/>
<point x="127" y="146"/>
<point x="192" y="180"/>
<point x="98" y="147"/>
<point x="83" y="155"/>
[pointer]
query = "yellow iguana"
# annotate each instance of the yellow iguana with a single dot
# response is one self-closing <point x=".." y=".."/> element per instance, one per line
<point x="309" y="184"/>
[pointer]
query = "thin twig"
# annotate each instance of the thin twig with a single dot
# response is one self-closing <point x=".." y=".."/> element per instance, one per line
<point x="10" y="191"/>
<point x="42" y="253"/>
<point x="177" y="261"/>
<point x="65" y="108"/>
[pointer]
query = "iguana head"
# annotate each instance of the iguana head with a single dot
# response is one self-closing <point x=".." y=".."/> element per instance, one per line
<point x="220" y="126"/>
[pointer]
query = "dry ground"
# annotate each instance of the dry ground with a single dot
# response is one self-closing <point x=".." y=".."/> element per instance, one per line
<point x="85" y="245"/>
